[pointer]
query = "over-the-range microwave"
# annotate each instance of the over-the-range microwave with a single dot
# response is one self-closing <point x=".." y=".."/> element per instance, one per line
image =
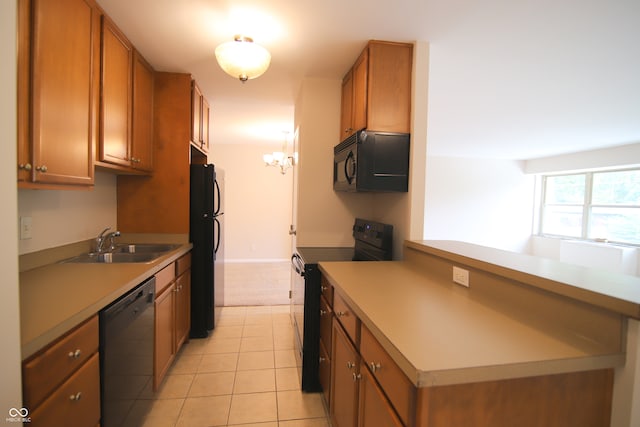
<point x="372" y="161"/>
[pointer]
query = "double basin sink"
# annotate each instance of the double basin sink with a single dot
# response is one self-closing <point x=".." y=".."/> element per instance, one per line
<point x="126" y="253"/>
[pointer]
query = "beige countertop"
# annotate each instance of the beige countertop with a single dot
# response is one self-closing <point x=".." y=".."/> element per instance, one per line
<point x="439" y="334"/>
<point x="612" y="291"/>
<point x="56" y="297"/>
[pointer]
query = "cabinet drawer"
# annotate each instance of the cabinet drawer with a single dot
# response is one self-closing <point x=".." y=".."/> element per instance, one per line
<point x="164" y="277"/>
<point x="46" y="370"/>
<point x="183" y="264"/>
<point x="347" y="318"/>
<point x="393" y="381"/>
<point x="76" y="402"/>
<point x="327" y="290"/>
<point x="326" y="314"/>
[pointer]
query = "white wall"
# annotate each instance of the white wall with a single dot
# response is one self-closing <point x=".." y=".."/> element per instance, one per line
<point x="10" y="389"/>
<point x="257" y="202"/>
<point x="61" y="217"/>
<point x="483" y="201"/>
<point x="325" y="217"/>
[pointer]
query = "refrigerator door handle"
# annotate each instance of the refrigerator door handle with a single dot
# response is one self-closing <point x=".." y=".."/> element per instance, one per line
<point x="215" y="250"/>
<point x="216" y="209"/>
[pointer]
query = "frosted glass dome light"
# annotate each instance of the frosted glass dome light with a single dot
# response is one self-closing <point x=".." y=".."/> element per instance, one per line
<point x="242" y="58"/>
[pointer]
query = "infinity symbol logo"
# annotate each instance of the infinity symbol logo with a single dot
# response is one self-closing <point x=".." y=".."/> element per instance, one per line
<point x="15" y="412"/>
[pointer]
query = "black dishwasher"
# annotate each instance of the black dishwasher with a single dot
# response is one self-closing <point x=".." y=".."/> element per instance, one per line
<point x="126" y="356"/>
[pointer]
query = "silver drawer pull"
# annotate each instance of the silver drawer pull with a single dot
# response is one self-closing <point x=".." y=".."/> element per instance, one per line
<point x="75" y="354"/>
<point x="342" y="313"/>
<point x="322" y="312"/>
<point x="322" y="359"/>
<point x="350" y="365"/>
<point x="76" y="397"/>
<point x="375" y="366"/>
<point x="356" y="377"/>
<point x="323" y="288"/>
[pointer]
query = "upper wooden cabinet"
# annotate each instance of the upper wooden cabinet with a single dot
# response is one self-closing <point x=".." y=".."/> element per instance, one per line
<point x="376" y="91"/>
<point x="168" y="188"/>
<point x="116" y="87"/>
<point x="58" y="81"/>
<point x="142" y="131"/>
<point x="126" y="110"/>
<point x="199" y="118"/>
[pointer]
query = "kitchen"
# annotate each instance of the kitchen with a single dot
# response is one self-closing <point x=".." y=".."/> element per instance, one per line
<point x="74" y="210"/>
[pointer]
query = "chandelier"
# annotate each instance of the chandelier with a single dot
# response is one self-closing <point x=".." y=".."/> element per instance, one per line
<point x="280" y="159"/>
<point x="242" y="58"/>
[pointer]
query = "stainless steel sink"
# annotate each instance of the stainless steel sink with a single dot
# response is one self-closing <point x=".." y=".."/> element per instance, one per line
<point x="126" y="253"/>
<point x="144" y="248"/>
<point x="114" y="257"/>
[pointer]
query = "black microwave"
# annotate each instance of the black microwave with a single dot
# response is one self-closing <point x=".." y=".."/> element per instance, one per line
<point x="372" y="161"/>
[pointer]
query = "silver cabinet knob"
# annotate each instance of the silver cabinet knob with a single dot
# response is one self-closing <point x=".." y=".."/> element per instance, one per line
<point x="375" y="366"/>
<point x="322" y="359"/>
<point x="322" y="312"/>
<point x="75" y="354"/>
<point x="76" y="397"/>
<point x="42" y="168"/>
<point x="25" y="166"/>
<point x="341" y="313"/>
<point x="356" y="377"/>
<point x="350" y="365"/>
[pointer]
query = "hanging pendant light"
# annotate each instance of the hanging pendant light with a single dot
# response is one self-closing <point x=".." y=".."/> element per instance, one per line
<point x="242" y="58"/>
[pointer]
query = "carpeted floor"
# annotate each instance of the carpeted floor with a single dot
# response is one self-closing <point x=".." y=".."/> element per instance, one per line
<point x="256" y="283"/>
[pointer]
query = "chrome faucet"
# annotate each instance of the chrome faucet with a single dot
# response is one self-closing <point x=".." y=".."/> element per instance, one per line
<point x="103" y="238"/>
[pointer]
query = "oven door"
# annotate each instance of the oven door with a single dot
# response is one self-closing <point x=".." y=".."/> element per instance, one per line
<point x="297" y="302"/>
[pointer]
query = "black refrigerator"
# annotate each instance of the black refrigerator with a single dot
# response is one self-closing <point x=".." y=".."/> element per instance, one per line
<point x="205" y="233"/>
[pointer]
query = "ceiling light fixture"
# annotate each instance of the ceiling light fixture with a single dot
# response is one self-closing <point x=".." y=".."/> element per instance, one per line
<point x="242" y="58"/>
<point x="281" y="159"/>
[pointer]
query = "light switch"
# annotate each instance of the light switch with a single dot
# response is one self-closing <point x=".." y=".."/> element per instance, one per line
<point x="25" y="227"/>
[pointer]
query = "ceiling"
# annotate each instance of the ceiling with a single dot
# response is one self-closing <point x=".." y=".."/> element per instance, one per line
<point x="511" y="80"/>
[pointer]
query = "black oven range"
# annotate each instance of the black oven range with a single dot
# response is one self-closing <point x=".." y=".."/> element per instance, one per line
<point x="373" y="241"/>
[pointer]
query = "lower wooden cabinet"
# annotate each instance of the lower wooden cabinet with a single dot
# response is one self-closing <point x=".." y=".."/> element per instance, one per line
<point x="172" y="315"/>
<point x="76" y="402"/>
<point x="345" y="368"/>
<point x="324" y="372"/>
<point x="61" y="383"/>
<point x="374" y="408"/>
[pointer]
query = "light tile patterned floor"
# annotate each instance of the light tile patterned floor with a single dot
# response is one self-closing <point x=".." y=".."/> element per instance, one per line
<point x="244" y="374"/>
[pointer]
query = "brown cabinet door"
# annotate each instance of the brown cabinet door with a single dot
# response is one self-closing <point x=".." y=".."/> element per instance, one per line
<point x="346" y="107"/>
<point x="164" y="334"/>
<point x="374" y="408"/>
<point x="64" y="80"/>
<point x="324" y="373"/>
<point x="204" y="131"/>
<point x="344" y="379"/>
<point x="196" y="113"/>
<point x="76" y="402"/>
<point x="360" y="96"/>
<point x="115" y="123"/>
<point x="183" y="304"/>
<point x="326" y="314"/>
<point x="389" y="87"/>
<point x="142" y="121"/>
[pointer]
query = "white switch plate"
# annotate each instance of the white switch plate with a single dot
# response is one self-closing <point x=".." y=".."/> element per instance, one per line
<point x="25" y="227"/>
<point x="461" y="276"/>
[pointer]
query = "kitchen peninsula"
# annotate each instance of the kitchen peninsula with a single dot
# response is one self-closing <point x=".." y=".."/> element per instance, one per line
<point x="529" y="342"/>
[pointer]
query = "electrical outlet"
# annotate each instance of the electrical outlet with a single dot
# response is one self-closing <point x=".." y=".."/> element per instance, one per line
<point x="461" y="276"/>
<point x="25" y="227"/>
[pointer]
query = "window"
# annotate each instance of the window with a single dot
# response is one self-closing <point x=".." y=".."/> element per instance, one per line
<point x="601" y="206"/>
